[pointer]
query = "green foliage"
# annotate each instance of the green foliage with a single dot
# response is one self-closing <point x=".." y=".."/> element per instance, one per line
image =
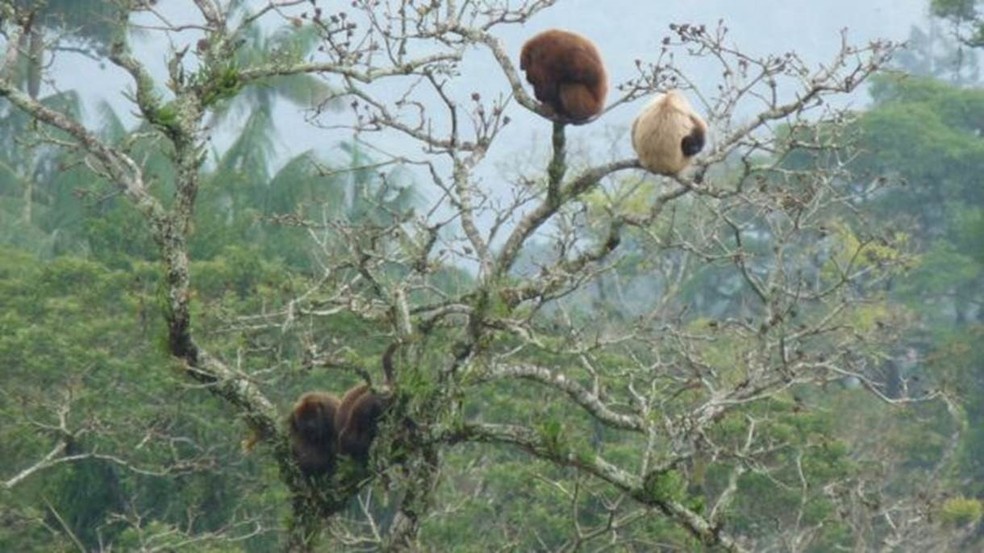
<point x="930" y="53"/>
<point x="76" y="335"/>
<point x="961" y="511"/>
<point x="504" y="497"/>
<point x="966" y="16"/>
<point x="925" y="132"/>
<point x="57" y="344"/>
<point x="954" y="9"/>
<point x="39" y="186"/>
<point x="499" y="503"/>
<point x="956" y="358"/>
<point x="669" y="486"/>
<point x="785" y="488"/>
<point x="255" y="47"/>
<point x="168" y="537"/>
<point x="94" y="23"/>
<point x="552" y="436"/>
<point x="966" y="230"/>
<point x="83" y="332"/>
<point x="223" y="86"/>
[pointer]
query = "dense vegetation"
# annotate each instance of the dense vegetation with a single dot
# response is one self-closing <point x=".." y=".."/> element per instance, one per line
<point x="779" y="351"/>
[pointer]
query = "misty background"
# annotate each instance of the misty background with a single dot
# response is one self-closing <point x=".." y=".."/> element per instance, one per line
<point x="624" y="30"/>
<point x="781" y="355"/>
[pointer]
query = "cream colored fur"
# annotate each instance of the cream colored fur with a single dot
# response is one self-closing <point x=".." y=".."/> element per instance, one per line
<point x="659" y="130"/>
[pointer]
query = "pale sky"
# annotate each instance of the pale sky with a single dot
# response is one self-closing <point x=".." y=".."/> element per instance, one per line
<point x="624" y="31"/>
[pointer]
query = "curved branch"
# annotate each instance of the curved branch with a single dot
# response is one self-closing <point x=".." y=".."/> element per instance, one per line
<point x="549" y="206"/>
<point x="121" y="169"/>
<point x="254" y="74"/>
<point x="169" y="231"/>
<point x="580" y="395"/>
<point x="530" y="441"/>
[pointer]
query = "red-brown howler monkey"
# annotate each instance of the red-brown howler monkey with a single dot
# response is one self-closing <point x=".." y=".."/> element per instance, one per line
<point x="567" y="74"/>
<point x="668" y="134"/>
<point x="312" y="433"/>
<point x="357" y="419"/>
<point x="321" y="427"/>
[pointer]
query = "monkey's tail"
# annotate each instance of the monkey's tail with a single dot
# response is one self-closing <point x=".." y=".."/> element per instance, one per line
<point x="387" y="363"/>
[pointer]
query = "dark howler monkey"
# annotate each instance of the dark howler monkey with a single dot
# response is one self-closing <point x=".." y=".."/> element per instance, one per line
<point x="321" y="427"/>
<point x="358" y="419"/>
<point x="567" y="74"/>
<point x="667" y="134"/>
<point x="313" y="438"/>
<point x="358" y="414"/>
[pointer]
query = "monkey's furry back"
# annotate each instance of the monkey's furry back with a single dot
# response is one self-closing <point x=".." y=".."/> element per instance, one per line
<point x="667" y="134"/>
<point x="567" y="74"/>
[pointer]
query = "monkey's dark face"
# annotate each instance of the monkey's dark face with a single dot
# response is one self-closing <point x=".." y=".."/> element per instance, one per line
<point x="693" y="143"/>
<point x="667" y="134"/>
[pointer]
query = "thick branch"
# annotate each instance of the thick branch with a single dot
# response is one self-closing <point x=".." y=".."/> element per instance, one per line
<point x="254" y="74"/>
<point x="121" y="170"/>
<point x="549" y="206"/>
<point x="533" y="443"/>
<point x="169" y="231"/>
<point x="578" y="394"/>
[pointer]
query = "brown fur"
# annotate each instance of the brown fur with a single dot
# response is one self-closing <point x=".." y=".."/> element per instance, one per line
<point x="567" y="74"/>
<point x="321" y="427"/>
<point x="667" y="134"/>
<point x="357" y="418"/>
<point x="313" y="437"/>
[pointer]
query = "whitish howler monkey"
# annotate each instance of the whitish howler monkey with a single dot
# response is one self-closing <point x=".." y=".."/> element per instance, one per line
<point x="567" y="74"/>
<point x="667" y="134"/>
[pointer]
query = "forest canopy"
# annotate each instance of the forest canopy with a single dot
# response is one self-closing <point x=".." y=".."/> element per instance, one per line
<point x="774" y="348"/>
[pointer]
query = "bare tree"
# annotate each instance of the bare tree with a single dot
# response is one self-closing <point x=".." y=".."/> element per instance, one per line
<point x="769" y="210"/>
